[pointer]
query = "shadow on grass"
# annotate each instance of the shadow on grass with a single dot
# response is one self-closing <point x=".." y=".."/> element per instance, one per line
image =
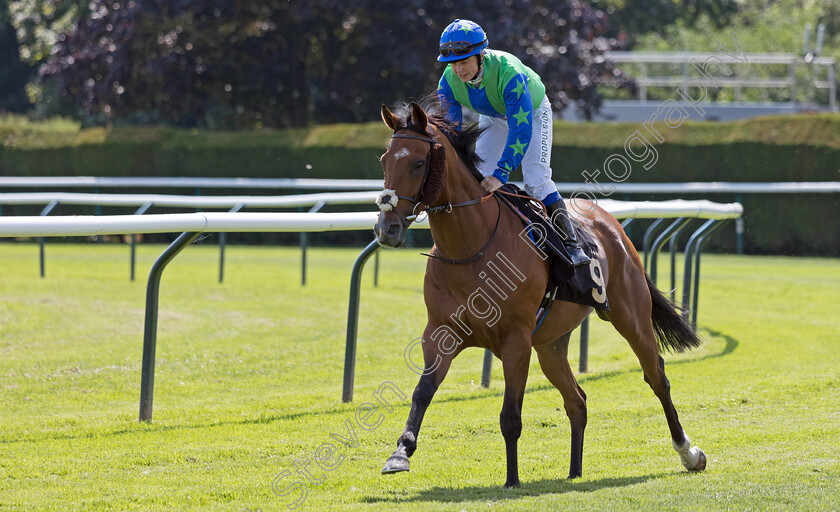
<point x="582" y="378"/>
<point x="140" y="427"/>
<point x="496" y="492"/>
<point x="731" y="345"/>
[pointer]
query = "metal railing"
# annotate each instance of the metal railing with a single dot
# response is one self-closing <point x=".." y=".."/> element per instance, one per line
<point x="193" y="224"/>
<point x="715" y="215"/>
<point x="301" y="184"/>
<point x="146" y="201"/>
<point x="316" y="201"/>
<point x="685" y="61"/>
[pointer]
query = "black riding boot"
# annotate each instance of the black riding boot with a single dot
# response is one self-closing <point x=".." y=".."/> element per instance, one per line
<point x="567" y="232"/>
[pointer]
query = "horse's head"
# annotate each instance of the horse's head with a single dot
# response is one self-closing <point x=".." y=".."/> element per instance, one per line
<point x="414" y="166"/>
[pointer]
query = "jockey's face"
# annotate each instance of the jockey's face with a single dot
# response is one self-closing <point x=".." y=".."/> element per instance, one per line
<point x="466" y="69"/>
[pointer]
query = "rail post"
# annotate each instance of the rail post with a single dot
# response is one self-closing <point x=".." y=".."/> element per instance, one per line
<point x="673" y="250"/>
<point x="698" y="248"/>
<point x="140" y="211"/>
<point x="583" y="364"/>
<point x="223" y="243"/>
<point x="304" y="242"/>
<point x="353" y="320"/>
<point x="46" y="211"/>
<point x="486" y="368"/>
<point x="646" y="240"/>
<point x="739" y="230"/>
<point x="663" y="237"/>
<point x="147" y="373"/>
<point x="689" y="246"/>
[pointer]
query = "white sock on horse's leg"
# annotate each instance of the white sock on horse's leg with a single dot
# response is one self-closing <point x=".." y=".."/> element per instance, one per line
<point x="689" y="455"/>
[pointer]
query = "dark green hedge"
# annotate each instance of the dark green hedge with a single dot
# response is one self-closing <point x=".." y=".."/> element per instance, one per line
<point x="792" y="148"/>
<point x="142" y="160"/>
<point x="796" y="224"/>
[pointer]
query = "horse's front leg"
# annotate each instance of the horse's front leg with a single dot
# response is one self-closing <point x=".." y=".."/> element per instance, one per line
<point x="515" y="362"/>
<point x="420" y="400"/>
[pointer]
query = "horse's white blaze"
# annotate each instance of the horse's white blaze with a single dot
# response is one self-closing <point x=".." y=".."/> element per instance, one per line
<point x="690" y="456"/>
<point x="402" y="153"/>
<point x="387" y="199"/>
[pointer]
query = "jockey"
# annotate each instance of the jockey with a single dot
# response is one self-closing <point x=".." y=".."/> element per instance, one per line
<point x="513" y="112"/>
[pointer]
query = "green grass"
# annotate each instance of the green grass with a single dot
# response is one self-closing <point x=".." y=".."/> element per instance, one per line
<point x="248" y="381"/>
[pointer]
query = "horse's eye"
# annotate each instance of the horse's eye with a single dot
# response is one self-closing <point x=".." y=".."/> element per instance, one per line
<point x="419" y="163"/>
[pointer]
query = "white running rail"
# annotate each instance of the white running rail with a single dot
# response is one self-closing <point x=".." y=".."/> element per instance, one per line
<point x="217" y="222"/>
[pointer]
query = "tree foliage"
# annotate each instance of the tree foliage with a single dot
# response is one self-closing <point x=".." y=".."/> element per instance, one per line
<point x="278" y="63"/>
<point x="14" y="74"/>
<point x="38" y="22"/>
<point x="36" y="25"/>
<point x="633" y="18"/>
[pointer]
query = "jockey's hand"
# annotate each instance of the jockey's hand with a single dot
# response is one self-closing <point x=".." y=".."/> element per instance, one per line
<point x="490" y="184"/>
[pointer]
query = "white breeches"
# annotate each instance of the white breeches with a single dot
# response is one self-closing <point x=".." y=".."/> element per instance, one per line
<point x="536" y="165"/>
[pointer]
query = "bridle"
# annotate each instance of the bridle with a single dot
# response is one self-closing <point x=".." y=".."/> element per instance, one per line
<point x="446" y="208"/>
<point x="419" y="194"/>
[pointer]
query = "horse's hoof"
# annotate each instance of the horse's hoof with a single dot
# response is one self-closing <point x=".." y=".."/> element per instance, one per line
<point x="512" y="485"/>
<point x="701" y="464"/>
<point x="395" y="464"/>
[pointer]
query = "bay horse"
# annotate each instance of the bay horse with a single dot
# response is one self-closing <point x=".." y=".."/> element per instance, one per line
<point x="429" y="166"/>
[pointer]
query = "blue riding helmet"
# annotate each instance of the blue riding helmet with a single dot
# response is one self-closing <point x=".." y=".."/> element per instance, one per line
<point x="461" y="39"/>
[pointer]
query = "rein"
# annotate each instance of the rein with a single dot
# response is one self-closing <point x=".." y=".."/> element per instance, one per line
<point x="499" y="200"/>
<point x="480" y="253"/>
<point x="446" y="208"/>
<point x="529" y="198"/>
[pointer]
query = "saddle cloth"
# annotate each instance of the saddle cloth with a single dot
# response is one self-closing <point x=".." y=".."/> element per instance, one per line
<point x="572" y="284"/>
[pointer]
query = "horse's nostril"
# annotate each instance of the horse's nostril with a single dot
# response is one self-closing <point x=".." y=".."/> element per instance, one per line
<point x="393" y="230"/>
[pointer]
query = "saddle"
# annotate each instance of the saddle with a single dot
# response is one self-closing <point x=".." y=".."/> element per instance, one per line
<point x="565" y="282"/>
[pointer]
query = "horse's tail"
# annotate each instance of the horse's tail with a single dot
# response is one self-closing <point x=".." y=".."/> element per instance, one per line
<point x="672" y="331"/>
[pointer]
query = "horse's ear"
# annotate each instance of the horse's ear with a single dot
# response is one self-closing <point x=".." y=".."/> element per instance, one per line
<point x="390" y="119"/>
<point x="419" y="116"/>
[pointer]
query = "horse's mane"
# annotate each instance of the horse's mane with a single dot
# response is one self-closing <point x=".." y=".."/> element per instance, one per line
<point x="462" y="140"/>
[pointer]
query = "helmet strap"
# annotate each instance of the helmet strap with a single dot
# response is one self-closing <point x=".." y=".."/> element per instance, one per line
<point x="476" y="80"/>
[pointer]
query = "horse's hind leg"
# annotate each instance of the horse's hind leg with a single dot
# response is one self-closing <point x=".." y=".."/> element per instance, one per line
<point x="630" y="314"/>
<point x="555" y="365"/>
<point x="692" y="458"/>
